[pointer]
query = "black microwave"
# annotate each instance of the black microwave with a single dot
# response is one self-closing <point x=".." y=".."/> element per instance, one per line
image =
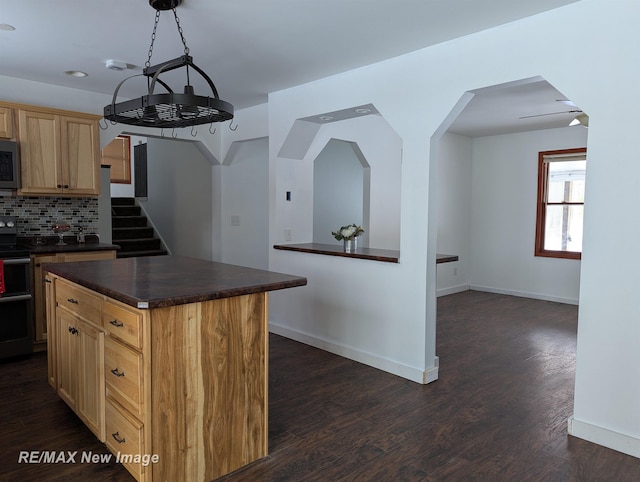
<point x="9" y="165"/>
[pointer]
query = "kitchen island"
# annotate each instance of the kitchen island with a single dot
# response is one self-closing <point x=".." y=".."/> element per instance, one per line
<point x="165" y="359"/>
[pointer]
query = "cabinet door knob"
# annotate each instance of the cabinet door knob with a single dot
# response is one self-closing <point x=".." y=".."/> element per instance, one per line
<point x="117" y="373"/>
<point x="59" y="186"/>
<point x="66" y="186"/>
<point x="117" y="438"/>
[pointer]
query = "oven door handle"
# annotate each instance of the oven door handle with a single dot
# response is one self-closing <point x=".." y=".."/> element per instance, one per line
<point x="8" y="299"/>
<point x="11" y="261"/>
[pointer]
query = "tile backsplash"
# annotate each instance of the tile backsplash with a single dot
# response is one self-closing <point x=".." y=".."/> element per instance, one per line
<point x="36" y="214"/>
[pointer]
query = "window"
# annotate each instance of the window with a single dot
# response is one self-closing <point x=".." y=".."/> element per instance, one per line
<point x="561" y="176"/>
<point x="116" y="154"/>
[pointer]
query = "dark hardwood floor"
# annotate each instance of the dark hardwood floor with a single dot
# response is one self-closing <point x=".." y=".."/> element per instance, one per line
<point x="498" y="412"/>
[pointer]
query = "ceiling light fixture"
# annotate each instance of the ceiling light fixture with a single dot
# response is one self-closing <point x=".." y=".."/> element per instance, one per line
<point x="117" y="65"/>
<point x="76" y="73"/>
<point x="169" y="109"/>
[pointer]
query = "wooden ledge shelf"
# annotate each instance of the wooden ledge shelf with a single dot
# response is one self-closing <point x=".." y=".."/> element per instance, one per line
<point x="446" y="258"/>
<point x="385" y="255"/>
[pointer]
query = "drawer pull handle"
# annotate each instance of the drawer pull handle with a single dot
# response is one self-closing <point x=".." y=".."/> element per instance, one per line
<point x="117" y="373"/>
<point x="116" y="436"/>
<point x="71" y="300"/>
<point x="116" y="323"/>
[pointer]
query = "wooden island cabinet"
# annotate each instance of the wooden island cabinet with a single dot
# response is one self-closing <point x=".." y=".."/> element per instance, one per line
<point x="165" y="357"/>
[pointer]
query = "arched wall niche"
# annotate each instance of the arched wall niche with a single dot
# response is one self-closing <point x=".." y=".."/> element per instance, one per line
<point x="362" y="135"/>
<point x="341" y="190"/>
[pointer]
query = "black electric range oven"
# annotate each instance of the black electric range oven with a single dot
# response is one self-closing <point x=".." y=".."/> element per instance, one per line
<point x="16" y="320"/>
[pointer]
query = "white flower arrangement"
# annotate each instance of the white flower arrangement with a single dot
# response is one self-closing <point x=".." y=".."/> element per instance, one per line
<point x="348" y="232"/>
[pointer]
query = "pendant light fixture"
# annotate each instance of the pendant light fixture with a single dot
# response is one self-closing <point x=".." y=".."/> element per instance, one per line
<point x="170" y="109"/>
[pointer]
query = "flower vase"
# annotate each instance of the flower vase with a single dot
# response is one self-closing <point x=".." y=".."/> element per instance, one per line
<point x="350" y="245"/>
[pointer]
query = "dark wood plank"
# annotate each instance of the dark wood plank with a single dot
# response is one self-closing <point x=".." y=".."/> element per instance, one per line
<point x="498" y="412"/>
<point x="372" y="254"/>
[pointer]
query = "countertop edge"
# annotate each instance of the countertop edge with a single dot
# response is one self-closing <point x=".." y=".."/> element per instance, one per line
<point x="58" y="269"/>
<point x="70" y="248"/>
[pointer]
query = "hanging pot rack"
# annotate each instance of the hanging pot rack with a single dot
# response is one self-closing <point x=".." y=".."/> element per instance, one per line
<point x="170" y="109"/>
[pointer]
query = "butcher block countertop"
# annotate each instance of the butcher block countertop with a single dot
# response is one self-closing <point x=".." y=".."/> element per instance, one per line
<point x="160" y="281"/>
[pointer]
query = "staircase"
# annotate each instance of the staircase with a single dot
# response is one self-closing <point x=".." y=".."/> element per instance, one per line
<point x="129" y="230"/>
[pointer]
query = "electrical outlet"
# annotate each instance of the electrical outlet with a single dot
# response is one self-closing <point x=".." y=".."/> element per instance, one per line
<point x="288" y="234"/>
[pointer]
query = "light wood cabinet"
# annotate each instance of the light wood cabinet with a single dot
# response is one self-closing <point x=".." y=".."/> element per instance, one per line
<point x="59" y="154"/>
<point x="117" y="154"/>
<point x="80" y="355"/>
<point x="39" y="286"/>
<point x="51" y="331"/>
<point x="6" y="123"/>
<point x="41" y="310"/>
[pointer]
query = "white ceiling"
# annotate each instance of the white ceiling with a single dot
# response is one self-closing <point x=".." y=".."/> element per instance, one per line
<point x="248" y="47"/>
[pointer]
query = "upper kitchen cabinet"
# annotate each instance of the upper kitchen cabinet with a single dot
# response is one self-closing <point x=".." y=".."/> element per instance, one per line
<point x="6" y="123"/>
<point x="59" y="153"/>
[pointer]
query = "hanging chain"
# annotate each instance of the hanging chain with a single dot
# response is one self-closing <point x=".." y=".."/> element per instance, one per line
<point x="184" y="42"/>
<point x="153" y="39"/>
<point x="153" y="36"/>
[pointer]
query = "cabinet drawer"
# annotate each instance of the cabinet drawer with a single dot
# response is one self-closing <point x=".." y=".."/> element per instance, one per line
<point x="124" y="324"/>
<point x="123" y="373"/>
<point x="124" y="437"/>
<point x="79" y="301"/>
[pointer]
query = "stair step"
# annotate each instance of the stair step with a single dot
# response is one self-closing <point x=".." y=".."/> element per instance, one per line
<point x="147" y="252"/>
<point x="123" y="201"/>
<point x="125" y="210"/>
<point x="128" y="221"/>
<point x="132" y="232"/>
<point x="137" y="244"/>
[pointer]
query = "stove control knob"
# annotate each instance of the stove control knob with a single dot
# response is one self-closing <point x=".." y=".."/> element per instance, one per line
<point x="10" y="224"/>
<point x="1" y="224"/>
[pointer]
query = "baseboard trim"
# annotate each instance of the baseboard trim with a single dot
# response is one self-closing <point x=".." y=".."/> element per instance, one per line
<point x="410" y="373"/>
<point x="603" y="436"/>
<point x="524" y="294"/>
<point x="452" y="290"/>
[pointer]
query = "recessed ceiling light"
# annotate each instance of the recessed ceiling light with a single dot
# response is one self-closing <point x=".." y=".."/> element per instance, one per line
<point x="117" y="65"/>
<point x="7" y="27"/>
<point x="362" y="111"/>
<point x="325" y="118"/>
<point x="76" y="73"/>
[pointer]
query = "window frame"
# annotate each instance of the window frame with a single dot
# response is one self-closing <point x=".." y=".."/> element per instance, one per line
<point x="543" y="177"/>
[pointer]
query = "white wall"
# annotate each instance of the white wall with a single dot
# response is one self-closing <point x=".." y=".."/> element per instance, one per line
<point x="454" y="211"/>
<point x="179" y="197"/>
<point x="503" y="217"/>
<point x="385" y="313"/>
<point x="380" y="146"/>
<point x="245" y="205"/>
